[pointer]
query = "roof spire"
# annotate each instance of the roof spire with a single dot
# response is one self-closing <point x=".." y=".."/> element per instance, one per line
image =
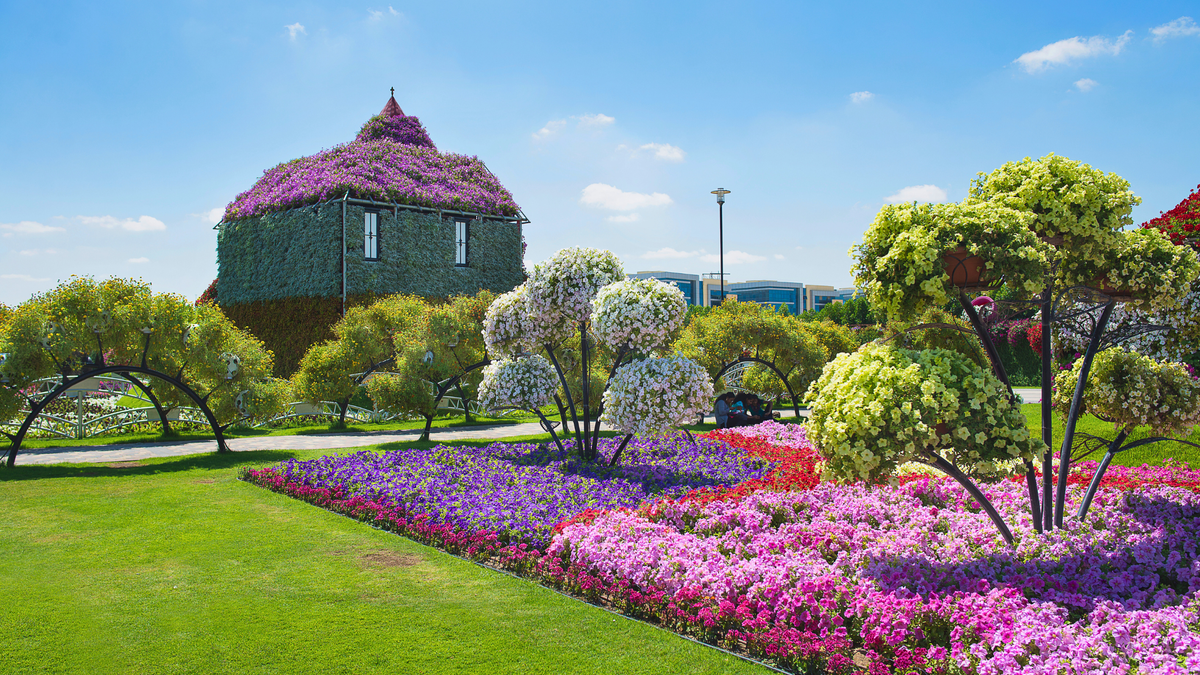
<point x="392" y="109"/>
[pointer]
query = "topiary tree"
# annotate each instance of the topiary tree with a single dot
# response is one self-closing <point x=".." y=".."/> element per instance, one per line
<point x="590" y="322"/>
<point x="1130" y="390"/>
<point x="882" y="406"/>
<point x="363" y="344"/>
<point x="186" y="353"/>
<point x="742" y="332"/>
<point x="1047" y="231"/>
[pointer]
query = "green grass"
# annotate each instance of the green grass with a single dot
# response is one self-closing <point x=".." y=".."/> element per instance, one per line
<point x="175" y="566"/>
<point x="1154" y="453"/>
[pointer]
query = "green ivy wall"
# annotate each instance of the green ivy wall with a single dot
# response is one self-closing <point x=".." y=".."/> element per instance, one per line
<point x="280" y="275"/>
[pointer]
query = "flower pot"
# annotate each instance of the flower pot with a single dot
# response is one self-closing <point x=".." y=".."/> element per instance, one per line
<point x="1119" y="294"/>
<point x="965" y="270"/>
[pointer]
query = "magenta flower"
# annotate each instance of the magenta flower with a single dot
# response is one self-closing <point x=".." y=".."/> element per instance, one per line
<point x="983" y="301"/>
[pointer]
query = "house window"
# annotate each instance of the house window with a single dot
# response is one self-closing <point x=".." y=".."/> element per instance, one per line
<point x="461" y="235"/>
<point x="371" y="236"/>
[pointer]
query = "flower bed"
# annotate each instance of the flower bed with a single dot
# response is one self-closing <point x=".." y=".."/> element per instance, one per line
<point x="911" y="578"/>
<point x="518" y="491"/>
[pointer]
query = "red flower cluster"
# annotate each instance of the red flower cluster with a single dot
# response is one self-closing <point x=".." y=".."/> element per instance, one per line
<point x="1034" y="335"/>
<point x="1182" y="223"/>
<point x="795" y="468"/>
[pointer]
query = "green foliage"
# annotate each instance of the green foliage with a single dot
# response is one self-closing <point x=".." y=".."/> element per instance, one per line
<point x="289" y="326"/>
<point x="430" y="344"/>
<point x="1129" y="389"/>
<point x="882" y="406"/>
<point x="853" y="312"/>
<point x="1085" y="206"/>
<point x="83" y="323"/>
<point x="736" y="329"/>
<point x="361" y="340"/>
<point x="900" y="260"/>
<point x="934" y="337"/>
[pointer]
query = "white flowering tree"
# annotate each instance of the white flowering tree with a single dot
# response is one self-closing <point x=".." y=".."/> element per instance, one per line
<point x="587" y="319"/>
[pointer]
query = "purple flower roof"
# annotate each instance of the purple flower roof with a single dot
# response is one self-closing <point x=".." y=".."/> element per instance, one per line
<point x="392" y="159"/>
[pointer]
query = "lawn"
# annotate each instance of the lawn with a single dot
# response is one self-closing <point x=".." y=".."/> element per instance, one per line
<point x="174" y="565"/>
<point x="1153" y="454"/>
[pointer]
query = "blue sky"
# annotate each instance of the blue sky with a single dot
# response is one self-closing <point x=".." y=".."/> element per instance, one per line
<point x="125" y="127"/>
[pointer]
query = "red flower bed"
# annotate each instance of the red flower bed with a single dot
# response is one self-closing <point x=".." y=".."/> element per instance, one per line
<point x="795" y="467"/>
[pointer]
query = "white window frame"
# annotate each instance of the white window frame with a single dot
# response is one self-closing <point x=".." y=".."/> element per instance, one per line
<point x="462" y="243"/>
<point x="371" y="235"/>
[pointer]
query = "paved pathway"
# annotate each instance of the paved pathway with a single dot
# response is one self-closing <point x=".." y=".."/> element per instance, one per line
<point x="136" y="451"/>
<point x="1029" y="394"/>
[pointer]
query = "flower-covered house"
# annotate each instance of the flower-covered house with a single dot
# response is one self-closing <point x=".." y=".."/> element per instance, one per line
<point x="385" y="213"/>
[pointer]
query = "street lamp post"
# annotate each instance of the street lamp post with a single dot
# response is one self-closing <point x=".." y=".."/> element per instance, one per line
<point x="720" y="193"/>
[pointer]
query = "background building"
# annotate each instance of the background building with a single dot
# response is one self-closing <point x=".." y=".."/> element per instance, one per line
<point x="386" y="213"/>
<point x="706" y="291"/>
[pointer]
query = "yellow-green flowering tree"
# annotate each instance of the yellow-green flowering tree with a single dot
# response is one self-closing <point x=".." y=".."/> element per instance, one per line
<point x="118" y="325"/>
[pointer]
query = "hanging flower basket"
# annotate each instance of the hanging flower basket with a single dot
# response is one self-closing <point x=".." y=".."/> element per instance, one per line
<point x="965" y="270"/>
<point x="1120" y="294"/>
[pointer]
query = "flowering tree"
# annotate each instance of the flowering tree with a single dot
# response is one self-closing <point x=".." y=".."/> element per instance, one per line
<point x="1051" y="231"/>
<point x="175" y="351"/>
<point x="579" y="310"/>
<point x="408" y="352"/>
<point x="882" y="406"/>
<point x="1131" y="390"/>
<point x="790" y="351"/>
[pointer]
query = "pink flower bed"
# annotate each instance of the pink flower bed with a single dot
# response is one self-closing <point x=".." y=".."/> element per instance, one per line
<point x="910" y="579"/>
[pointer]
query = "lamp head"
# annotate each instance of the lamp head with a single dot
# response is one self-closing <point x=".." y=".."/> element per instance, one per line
<point x="720" y="193"/>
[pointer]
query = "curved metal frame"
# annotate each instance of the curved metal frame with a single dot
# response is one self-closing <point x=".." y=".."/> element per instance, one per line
<point x="37" y="407"/>
<point x="774" y="369"/>
<point x="445" y="387"/>
<point x="391" y="360"/>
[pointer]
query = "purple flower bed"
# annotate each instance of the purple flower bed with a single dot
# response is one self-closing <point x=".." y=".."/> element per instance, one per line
<point x="918" y="576"/>
<point x="520" y="491"/>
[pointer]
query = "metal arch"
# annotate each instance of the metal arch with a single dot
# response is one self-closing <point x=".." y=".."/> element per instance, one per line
<point x="774" y="369"/>
<point x="345" y="404"/>
<point x="145" y="389"/>
<point x="441" y="392"/>
<point x="36" y="409"/>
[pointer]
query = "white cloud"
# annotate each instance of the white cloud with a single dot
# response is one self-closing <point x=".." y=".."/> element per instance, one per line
<point x="623" y="219"/>
<point x="596" y="121"/>
<point x="1180" y="27"/>
<point x="669" y="253"/>
<point x="665" y="152"/>
<point x="142" y="224"/>
<point x="552" y="127"/>
<point x="139" y="260"/>
<point x="733" y="258"/>
<point x="213" y="216"/>
<point x="295" y="29"/>
<point x="779" y="256"/>
<point x="376" y="14"/>
<point x="20" y="277"/>
<point x="393" y="11"/>
<point x="34" y="251"/>
<point x="1086" y="84"/>
<point x="918" y="193"/>
<point x="861" y="96"/>
<point x="608" y="197"/>
<point x="1071" y="49"/>
<point x="27" y="227"/>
